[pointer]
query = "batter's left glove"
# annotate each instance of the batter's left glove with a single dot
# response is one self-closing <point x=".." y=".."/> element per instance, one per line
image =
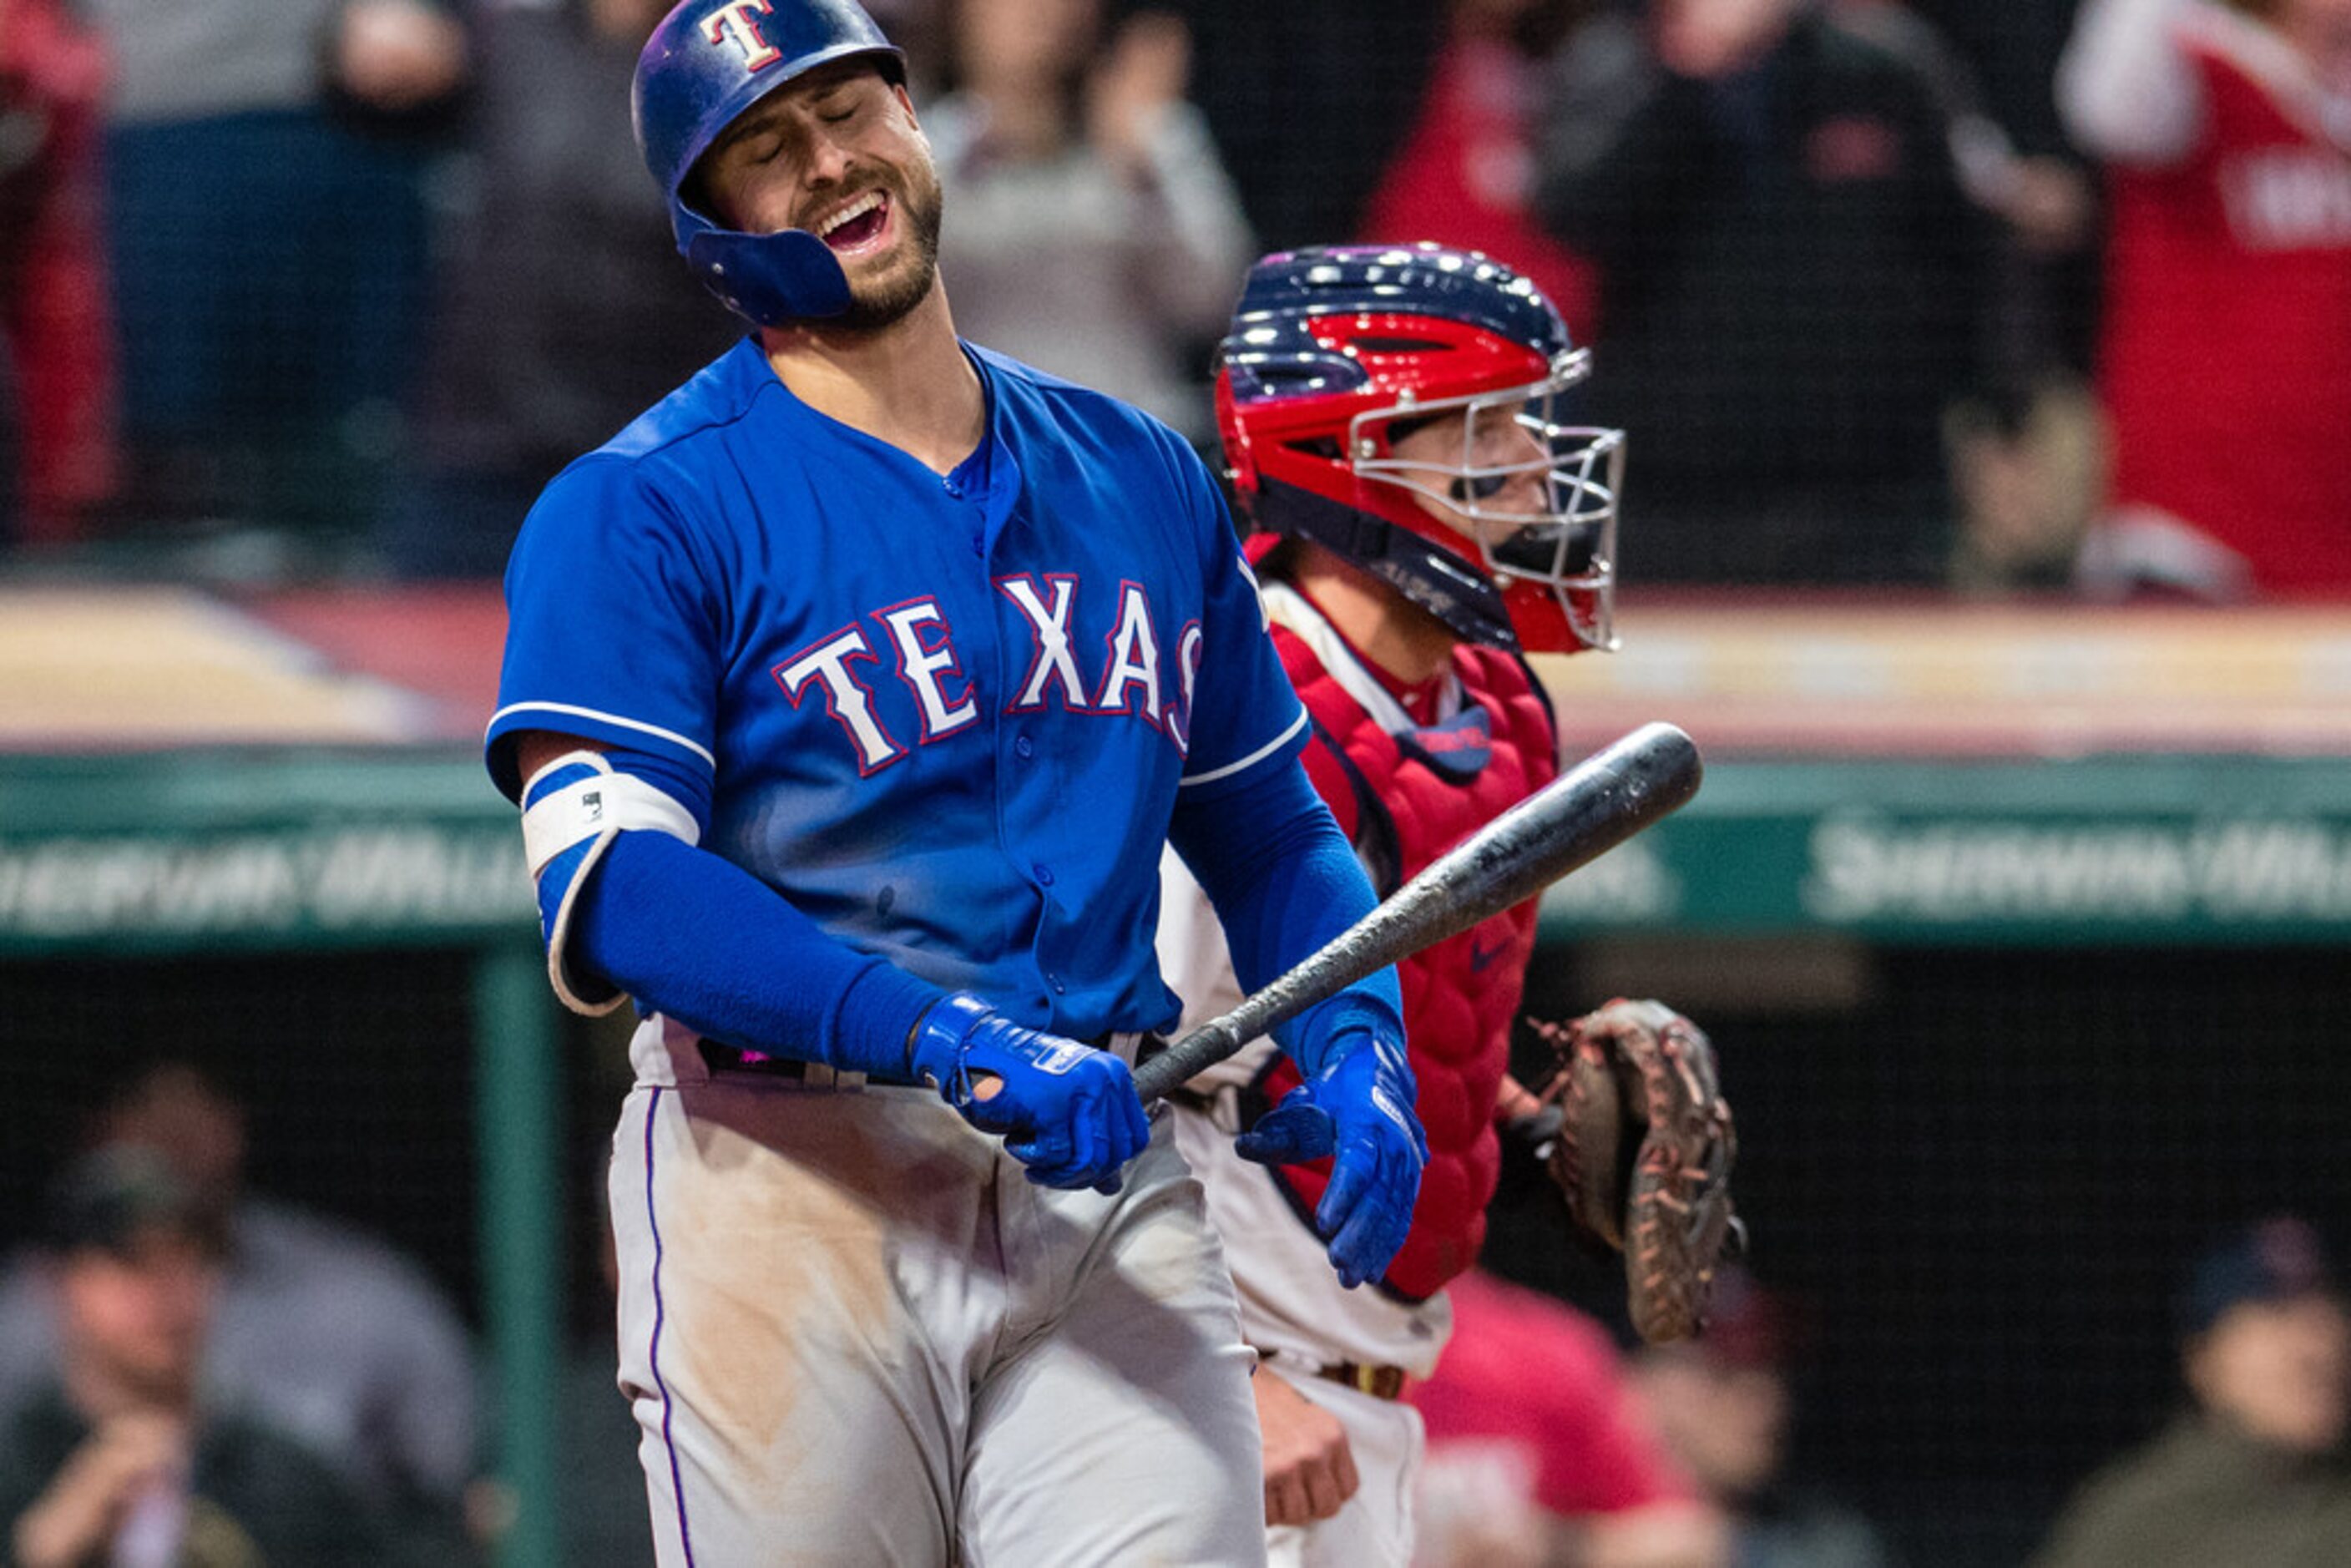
<point x="1358" y="1108"/>
<point x="1642" y="1154"/>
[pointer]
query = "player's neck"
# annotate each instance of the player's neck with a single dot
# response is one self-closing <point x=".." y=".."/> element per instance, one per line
<point x="1405" y="640"/>
<point x="907" y="384"/>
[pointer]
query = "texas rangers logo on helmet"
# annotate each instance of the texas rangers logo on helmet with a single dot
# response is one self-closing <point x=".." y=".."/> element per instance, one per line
<point x="732" y="23"/>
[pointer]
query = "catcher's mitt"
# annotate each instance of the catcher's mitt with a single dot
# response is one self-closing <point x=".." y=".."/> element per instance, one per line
<point x="1644" y="1153"/>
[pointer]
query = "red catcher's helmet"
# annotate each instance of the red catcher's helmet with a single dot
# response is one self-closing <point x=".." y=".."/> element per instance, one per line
<point x="1336" y="353"/>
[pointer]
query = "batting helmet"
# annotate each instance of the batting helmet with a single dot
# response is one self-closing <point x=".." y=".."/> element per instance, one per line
<point x="1336" y="353"/>
<point x="707" y="62"/>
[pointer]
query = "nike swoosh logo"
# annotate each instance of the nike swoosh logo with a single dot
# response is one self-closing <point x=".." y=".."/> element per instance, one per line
<point x="1480" y="957"/>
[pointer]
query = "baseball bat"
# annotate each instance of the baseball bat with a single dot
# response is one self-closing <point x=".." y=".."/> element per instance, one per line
<point x="1574" y="819"/>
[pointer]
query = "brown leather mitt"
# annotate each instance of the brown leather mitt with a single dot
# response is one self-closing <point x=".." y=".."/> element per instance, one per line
<point x="1644" y="1153"/>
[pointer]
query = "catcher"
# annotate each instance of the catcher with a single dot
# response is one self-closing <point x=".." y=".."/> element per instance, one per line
<point x="1423" y="520"/>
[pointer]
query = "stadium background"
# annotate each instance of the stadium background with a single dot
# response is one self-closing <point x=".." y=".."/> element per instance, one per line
<point x="2021" y="928"/>
<point x="2022" y="994"/>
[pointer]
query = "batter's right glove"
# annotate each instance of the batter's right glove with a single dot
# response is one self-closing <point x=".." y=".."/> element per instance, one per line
<point x="1642" y="1154"/>
<point x="1066" y="1111"/>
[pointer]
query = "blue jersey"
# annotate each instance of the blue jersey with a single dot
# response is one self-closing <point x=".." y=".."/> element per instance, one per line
<point x="947" y="718"/>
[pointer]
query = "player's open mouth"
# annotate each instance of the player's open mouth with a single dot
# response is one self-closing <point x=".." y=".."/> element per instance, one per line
<point x="857" y="225"/>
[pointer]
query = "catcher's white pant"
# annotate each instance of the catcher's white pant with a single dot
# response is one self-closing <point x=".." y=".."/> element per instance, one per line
<point x="854" y="1334"/>
<point x="1374" y="1529"/>
<point x="1294" y="1310"/>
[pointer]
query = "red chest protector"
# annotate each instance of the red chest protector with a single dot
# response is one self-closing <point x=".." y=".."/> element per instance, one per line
<point x="1403" y="800"/>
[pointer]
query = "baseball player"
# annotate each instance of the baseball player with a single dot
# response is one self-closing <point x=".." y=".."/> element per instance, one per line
<point x="850" y="696"/>
<point x="1390" y="418"/>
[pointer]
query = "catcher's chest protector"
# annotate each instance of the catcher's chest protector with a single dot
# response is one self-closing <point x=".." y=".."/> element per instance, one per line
<point x="1415" y="797"/>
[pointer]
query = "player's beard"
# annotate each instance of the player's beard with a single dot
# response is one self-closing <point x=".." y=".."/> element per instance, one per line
<point x="879" y="302"/>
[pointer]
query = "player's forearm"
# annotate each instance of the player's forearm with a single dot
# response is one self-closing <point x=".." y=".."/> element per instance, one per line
<point x="700" y="940"/>
<point x="1284" y="883"/>
<point x="2124" y="84"/>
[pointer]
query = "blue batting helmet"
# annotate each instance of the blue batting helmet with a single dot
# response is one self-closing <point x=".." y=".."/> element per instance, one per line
<point x="707" y="62"/>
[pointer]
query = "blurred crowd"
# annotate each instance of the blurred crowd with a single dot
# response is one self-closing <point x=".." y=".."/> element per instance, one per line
<point x="2049" y="296"/>
<point x="196" y="1373"/>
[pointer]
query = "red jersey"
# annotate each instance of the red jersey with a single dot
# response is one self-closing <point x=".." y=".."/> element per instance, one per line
<point x="1535" y="1377"/>
<point x="2226" y="365"/>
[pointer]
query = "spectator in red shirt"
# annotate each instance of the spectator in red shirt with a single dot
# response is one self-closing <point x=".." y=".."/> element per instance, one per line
<point x="56" y="361"/>
<point x="2226" y="358"/>
<point x="1539" y="1451"/>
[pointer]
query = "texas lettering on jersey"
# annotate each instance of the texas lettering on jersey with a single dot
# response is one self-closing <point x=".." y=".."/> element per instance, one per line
<point x="1132" y="674"/>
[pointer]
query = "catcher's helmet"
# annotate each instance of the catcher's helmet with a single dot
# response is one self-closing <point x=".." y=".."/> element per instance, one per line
<point x="707" y="62"/>
<point x="1335" y="353"/>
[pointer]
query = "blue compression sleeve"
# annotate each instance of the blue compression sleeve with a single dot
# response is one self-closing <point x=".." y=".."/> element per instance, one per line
<point x="728" y="957"/>
<point x="1284" y="882"/>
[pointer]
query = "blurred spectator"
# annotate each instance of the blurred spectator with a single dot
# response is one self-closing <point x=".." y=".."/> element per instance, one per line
<point x="328" y="1333"/>
<point x="2022" y="447"/>
<point x="1791" y="276"/>
<point x="559" y="319"/>
<point x="2028" y="470"/>
<point x="1464" y="176"/>
<point x="265" y="167"/>
<point x="1096" y="236"/>
<point x="118" y="1459"/>
<point x="1538" y="1452"/>
<point x="57" y="344"/>
<point x="1309" y="102"/>
<point x="2226" y="360"/>
<point x="2255" y="1471"/>
<point x="2042" y="198"/>
<point x="1722" y="1403"/>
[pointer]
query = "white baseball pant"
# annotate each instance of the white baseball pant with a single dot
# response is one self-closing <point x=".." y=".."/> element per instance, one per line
<point x="853" y="1332"/>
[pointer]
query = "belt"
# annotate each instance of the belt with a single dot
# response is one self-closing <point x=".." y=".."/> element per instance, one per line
<point x="720" y="1057"/>
<point x="1379" y="1382"/>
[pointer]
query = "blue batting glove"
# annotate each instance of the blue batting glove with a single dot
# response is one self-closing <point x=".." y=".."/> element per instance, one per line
<point x="1067" y="1112"/>
<point x="1359" y="1109"/>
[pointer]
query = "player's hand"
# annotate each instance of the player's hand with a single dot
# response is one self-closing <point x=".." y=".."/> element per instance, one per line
<point x="1139" y="77"/>
<point x="1310" y="1470"/>
<point x="1358" y="1109"/>
<point x="396" y="55"/>
<point x="1709" y="39"/>
<point x="1066" y="1111"/>
<point x="73" y="1519"/>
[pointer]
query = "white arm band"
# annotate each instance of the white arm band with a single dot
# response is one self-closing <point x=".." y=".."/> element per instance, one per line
<point x="573" y="808"/>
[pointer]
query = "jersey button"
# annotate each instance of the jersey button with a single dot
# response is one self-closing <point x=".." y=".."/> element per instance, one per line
<point x="1044" y="874"/>
<point x="1055" y="981"/>
<point x="979" y="544"/>
<point x="1024" y="746"/>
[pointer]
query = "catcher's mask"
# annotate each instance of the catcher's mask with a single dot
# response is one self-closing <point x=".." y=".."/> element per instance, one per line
<point x="707" y="62"/>
<point x="1507" y="534"/>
